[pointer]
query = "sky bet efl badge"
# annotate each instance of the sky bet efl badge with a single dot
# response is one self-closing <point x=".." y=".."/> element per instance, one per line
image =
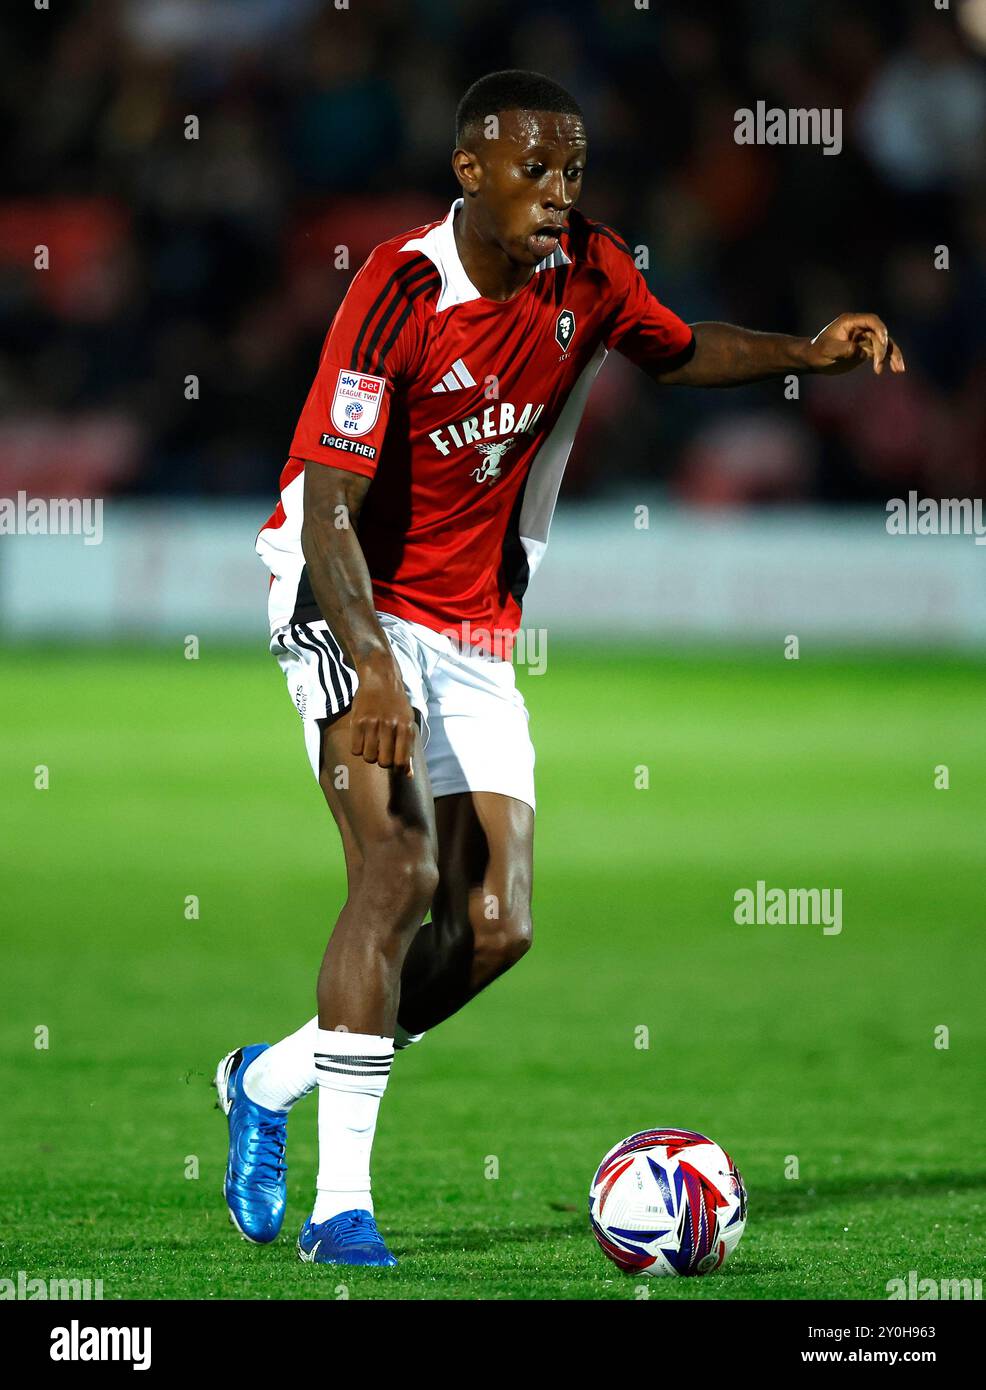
<point x="356" y="403"/>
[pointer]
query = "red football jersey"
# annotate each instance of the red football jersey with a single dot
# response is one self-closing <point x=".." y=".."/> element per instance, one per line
<point x="462" y="410"/>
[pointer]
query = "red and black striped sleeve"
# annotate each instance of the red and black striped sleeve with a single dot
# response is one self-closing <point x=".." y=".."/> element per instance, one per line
<point x="368" y="350"/>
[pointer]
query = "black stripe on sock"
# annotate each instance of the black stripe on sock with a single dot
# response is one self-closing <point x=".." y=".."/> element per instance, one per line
<point x="379" y="1059"/>
<point x="346" y="1071"/>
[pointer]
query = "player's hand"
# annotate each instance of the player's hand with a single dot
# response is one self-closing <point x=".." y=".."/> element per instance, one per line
<point x="849" y="341"/>
<point x="383" y="724"/>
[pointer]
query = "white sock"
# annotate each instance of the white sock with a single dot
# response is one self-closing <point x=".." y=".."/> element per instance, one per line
<point x="352" y="1071"/>
<point x="285" y="1072"/>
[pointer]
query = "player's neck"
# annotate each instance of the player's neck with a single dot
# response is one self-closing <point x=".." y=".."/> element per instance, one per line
<point x="488" y="268"/>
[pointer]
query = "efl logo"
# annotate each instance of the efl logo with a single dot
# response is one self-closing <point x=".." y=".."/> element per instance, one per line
<point x="356" y="403"/>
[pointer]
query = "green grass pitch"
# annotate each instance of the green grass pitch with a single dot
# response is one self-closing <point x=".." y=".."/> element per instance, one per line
<point x="171" y="777"/>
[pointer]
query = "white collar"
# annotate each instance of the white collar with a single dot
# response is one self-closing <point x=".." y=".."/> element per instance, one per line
<point x="439" y="246"/>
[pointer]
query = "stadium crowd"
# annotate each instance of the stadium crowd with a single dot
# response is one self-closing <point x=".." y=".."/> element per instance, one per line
<point x="194" y="166"/>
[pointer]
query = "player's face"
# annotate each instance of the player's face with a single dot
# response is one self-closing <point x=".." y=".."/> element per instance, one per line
<point x="525" y="182"/>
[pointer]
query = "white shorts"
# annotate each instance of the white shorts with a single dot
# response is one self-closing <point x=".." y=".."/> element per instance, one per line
<point x="474" y="723"/>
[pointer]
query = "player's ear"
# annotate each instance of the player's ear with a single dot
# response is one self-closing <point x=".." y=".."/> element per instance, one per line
<point x="467" y="170"/>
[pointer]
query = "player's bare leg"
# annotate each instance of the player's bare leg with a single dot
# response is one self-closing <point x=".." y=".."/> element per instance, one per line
<point x="386" y="820"/>
<point x="480" y="923"/>
<point x="481" y="915"/>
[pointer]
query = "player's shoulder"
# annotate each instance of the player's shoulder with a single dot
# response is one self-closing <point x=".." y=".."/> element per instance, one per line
<point x="595" y="245"/>
<point x="378" y="328"/>
<point x="399" y="269"/>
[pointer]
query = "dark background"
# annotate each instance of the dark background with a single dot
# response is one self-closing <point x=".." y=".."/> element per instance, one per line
<point x="321" y="127"/>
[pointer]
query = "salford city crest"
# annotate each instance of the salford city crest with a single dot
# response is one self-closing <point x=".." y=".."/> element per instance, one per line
<point x="565" y="329"/>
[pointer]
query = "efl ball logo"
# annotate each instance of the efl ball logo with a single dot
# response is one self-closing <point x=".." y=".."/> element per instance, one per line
<point x="356" y="402"/>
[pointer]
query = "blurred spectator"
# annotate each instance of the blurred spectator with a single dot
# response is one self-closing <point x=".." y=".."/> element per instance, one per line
<point x="923" y="120"/>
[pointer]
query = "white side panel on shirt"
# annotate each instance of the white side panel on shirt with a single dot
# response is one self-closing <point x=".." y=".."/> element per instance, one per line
<point x="548" y="467"/>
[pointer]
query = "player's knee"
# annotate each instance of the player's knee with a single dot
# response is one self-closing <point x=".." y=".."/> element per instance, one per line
<point x="506" y="939"/>
<point x="401" y="869"/>
<point x="520" y="939"/>
<point x="417" y="874"/>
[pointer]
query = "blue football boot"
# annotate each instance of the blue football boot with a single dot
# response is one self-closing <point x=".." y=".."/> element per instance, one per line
<point x="351" y="1238"/>
<point x="255" y="1186"/>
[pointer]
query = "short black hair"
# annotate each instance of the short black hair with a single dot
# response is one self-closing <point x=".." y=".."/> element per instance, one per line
<point x="511" y="90"/>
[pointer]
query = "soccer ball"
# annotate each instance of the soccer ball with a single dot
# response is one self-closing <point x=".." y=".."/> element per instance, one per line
<point x="667" y="1201"/>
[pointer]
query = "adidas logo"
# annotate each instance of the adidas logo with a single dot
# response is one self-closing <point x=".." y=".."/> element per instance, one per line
<point x="455" y="378"/>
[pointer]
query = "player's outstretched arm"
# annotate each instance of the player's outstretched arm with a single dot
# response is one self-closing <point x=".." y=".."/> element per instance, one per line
<point x="729" y="356"/>
<point x="383" y="724"/>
